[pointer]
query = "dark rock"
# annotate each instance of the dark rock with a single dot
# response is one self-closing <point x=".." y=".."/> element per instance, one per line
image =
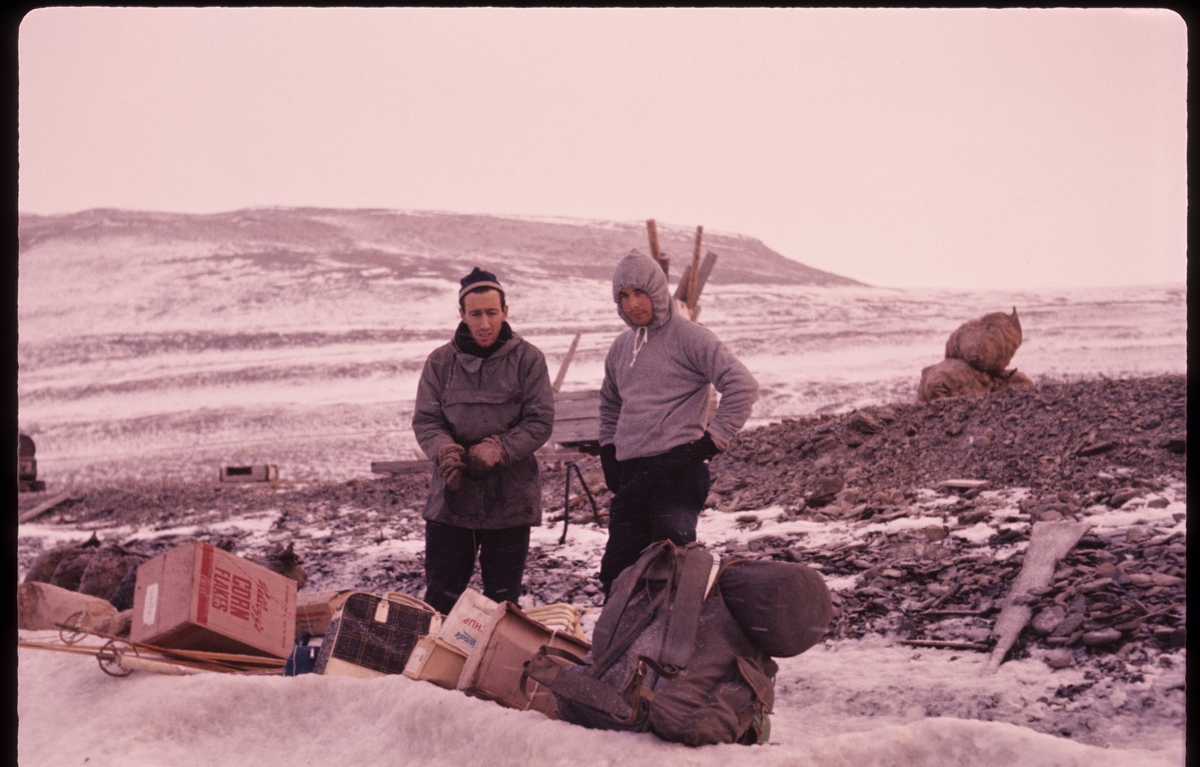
<point x="1069" y="625"/>
<point x="1120" y="497"/>
<point x="863" y="423"/>
<point x="1095" y="449"/>
<point x="1101" y="637"/>
<point x="826" y="492"/>
<point x="1048" y="619"/>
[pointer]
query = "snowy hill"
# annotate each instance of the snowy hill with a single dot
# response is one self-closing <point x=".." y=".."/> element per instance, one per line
<point x="408" y="244"/>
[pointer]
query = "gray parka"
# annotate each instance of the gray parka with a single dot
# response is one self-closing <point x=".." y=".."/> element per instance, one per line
<point x="656" y="378"/>
<point x="463" y="398"/>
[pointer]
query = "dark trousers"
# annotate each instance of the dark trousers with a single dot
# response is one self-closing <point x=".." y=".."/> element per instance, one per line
<point x="450" y="562"/>
<point x="656" y="501"/>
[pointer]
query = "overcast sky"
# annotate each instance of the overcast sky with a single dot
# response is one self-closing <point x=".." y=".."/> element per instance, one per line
<point x="947" y="148"/>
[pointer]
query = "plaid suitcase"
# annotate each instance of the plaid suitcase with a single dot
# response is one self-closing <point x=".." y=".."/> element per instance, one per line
<point x="373" y="635"/>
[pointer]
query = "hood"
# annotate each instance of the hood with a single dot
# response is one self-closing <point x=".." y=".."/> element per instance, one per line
<point x="637" y="270"/>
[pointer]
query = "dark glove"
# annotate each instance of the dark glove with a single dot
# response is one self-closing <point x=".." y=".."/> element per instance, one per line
<point x="450" y="464"/>
<point x="611" y="467"/>
<point x="485" y="456"/>
<point x="689" y="454"/>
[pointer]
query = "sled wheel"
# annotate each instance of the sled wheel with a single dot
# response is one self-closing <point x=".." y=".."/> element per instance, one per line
<point x="76" y="627"/>
<point x="110" y="657"/>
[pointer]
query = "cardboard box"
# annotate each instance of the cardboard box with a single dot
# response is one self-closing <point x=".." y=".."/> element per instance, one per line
<point x="493" y="669"/>
<point x="198" y="597"/>
<point x="467" y="619"/>
<point x="315" y="609"/>
<point x="433" y="660"/>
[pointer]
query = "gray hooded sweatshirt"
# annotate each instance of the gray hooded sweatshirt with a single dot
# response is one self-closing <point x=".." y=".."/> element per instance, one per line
<point x="655" y="392"/>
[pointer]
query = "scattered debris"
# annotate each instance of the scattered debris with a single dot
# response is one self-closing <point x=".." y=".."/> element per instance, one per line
<point x="41" y="508"/>
<point x="267" y="473"/>
<point x="27" y="481"/>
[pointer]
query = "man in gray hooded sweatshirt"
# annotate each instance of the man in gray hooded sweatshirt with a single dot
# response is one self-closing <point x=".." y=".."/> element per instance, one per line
<point x="655" y="438"/>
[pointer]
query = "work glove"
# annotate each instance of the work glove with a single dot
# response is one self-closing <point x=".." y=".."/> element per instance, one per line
<point x="611" y="467"/>
<point x="485" y="456"/>
<point x="450" y="464"/>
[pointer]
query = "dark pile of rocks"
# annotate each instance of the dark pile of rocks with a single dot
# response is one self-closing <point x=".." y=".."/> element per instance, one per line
<point x="1108" y="595"/>
<point x="1073" y="445"/>
<point x="1050" y="438"/>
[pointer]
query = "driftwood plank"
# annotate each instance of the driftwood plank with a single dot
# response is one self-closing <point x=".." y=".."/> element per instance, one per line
<point x="41" y="508"/>
<point x="568" y="432"/>
<point x="400" y="467"/>
<point x="946" y="645"/>
<point x="575" y="409"/>
<point x="964" y="484"/>
<point x="1048" y="543"/>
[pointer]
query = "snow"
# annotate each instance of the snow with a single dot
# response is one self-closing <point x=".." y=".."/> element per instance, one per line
<point x="855" y="702"/>
<point x="839" y="705"/>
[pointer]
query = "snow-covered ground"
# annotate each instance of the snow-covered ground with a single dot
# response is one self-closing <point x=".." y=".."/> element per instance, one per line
<point x="73" y="714"/>
<point x="865" y="702"/>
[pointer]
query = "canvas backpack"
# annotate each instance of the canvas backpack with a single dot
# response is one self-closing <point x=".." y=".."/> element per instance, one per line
<point x="667" y="657"/>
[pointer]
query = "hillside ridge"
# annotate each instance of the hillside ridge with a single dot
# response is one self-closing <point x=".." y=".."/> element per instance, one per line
<point x="419" y="243"/>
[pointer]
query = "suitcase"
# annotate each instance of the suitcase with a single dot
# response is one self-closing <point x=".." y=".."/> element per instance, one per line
<point x="372" y="635"/>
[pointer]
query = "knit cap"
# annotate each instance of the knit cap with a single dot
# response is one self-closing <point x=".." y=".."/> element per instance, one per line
<point x="478" y="278"/>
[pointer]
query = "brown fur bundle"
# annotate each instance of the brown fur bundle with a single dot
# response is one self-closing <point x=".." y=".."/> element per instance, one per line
<point x="986" y="344"/>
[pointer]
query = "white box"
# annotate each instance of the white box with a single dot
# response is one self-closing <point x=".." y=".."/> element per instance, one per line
<point x="467" y="620"/>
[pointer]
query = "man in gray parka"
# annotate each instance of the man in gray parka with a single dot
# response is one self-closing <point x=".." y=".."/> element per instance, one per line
<point x="484" y="405"/>
<point x="655" y="435"/>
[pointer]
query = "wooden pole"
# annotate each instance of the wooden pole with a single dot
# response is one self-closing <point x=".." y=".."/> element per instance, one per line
<point x="652" y="231"/>
<point x="710" y="260"/>
<point x="655" y="252"/>
<point x="566" y="363"/>
<point x="681" y="290"/>
<point x="691" y="299"/>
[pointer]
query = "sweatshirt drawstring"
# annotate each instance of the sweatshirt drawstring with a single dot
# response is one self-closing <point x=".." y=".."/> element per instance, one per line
<point x="640" y="337"/>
